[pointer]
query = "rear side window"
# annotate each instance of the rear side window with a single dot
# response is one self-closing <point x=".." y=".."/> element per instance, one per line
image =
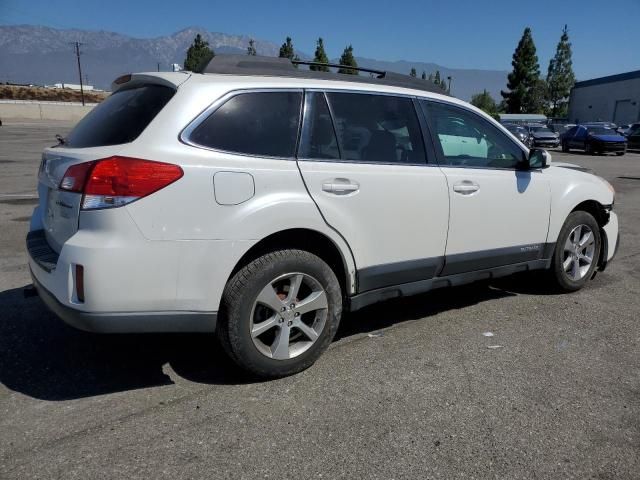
<point x="318" y="135"/>
<point x="253" y="123"/>
<point x="377" y="128"/>
<point x="120" y="118"/>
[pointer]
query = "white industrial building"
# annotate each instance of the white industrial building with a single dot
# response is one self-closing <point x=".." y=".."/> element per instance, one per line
<point x="71" y="86"/>
<point x="615" y="98"/>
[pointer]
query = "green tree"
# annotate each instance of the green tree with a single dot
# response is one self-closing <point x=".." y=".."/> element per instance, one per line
<point x="537" y="98"/>
<point x="251" y="49"/>
<point x="444" y="85"/>
<point x="485" y="102"/>
<point x="413" y="72"/>
<point x="348" y="60"/>
<point x="437" y="80"/>
<point x="424" y="75"/>
<point x="286" y="50"/>
<point x="560" y="76"/>
<point x="198" y="55"/>
<point x="522" y="82"/>
<point x="320" y="57"/>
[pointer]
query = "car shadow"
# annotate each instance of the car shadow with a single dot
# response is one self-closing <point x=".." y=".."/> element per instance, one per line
<point x="43" y="358"/>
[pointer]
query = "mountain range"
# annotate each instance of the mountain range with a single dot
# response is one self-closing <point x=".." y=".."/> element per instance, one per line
<point x="43" y="55"/>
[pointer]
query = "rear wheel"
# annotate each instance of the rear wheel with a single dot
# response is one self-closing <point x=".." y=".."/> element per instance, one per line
<point x="565" y="147"/>
<point x="577" y="251"/>
<point x="280" y="312"/>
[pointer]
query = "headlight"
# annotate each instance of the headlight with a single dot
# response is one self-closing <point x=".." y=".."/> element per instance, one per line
<point x="609" y="186"/>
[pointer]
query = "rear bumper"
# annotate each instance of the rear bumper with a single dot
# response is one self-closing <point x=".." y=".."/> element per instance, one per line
<point x="127" y="322"/>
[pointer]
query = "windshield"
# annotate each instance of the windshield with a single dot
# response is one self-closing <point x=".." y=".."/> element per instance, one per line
<point x="601" y="131"/>
<point x="515" y="129"/>
<point x="540" y="130"/>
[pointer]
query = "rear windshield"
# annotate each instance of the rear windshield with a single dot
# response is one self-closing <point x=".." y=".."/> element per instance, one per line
<point x="120" y="118"/>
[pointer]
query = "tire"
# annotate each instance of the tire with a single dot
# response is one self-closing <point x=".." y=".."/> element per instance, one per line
<point x="252" y="332"/>
<point x="588" y="149"/>
<point x="620" y="153"/>
<point x="566" y="275"/>
<point x="565" y="147"/>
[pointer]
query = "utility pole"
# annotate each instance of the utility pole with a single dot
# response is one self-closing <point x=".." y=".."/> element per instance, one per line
<point x="77" y="45"/>
<point x="158" y="66"/>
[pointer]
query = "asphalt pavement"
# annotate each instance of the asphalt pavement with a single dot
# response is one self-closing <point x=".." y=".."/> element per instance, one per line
<point x="411" y="388"/>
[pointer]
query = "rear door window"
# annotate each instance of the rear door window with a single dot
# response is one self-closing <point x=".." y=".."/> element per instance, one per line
<point x="377" y="128"/>
<point x="121" y="118"/>
<point x="253" y="123"/>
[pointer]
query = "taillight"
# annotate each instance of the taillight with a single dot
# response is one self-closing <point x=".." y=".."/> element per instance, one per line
<point x="116" y="181"/>
<point x="76" y="176"/>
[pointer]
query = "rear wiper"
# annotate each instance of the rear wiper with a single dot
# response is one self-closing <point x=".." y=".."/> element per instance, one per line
<point x="61" y="139"/>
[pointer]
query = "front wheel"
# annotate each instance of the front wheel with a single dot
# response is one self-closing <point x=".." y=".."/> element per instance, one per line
<point x="280" y="312"/>
<point x="577" y="251"/>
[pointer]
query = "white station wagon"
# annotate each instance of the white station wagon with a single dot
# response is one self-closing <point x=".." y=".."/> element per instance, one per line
<point x="260" y="201"/>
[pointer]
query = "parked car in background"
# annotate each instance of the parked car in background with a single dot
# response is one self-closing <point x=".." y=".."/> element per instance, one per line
<point x="542" y="136"/>
<point x="520" y="132"/>
<point x="633" y="137"/>
<point x="625" y="129"/>
<point x="594" y="138"/>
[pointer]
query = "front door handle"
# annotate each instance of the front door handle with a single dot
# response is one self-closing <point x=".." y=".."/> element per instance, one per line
<point x="466" y="187"/>
<point x="340" y="186"/>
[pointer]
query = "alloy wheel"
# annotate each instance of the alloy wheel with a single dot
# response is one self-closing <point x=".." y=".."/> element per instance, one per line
<point x="579" y="251"/>
<point x="288" y="315"/>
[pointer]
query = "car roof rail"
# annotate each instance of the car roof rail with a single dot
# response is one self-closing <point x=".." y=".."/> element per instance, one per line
<point x="283" y="67"/>
<point x="378" y="73"/>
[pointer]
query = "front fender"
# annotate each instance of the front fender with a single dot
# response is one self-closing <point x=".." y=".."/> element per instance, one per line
<point x="570" y="188"/>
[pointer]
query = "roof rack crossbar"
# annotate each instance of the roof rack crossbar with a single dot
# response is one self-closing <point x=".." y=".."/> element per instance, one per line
<point x="283" y="67"/>
<point x="379" y="73"/>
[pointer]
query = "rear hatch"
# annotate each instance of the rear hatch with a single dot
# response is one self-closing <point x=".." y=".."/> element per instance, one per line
<point x="102" y="133"/>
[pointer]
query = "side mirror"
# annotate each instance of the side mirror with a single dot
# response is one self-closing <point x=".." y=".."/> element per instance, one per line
<point x="539" y="158"/>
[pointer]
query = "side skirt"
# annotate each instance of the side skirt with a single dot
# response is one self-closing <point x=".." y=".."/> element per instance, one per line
<point x="413" y="288"/>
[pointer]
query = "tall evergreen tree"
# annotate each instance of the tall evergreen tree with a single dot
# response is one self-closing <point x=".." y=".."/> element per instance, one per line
<point x="437" y="78"/>
<point x="413" y="72"/>
<point x="286" y="50"/>
<point x="522" y="84"/>
<point x="251" y="49"/>
<point x="349" y="60"/>
<point x="424" y="75"/>
<point x="198" y="55"/>
<point x="560" y="76"/>
<point x="320" y="57"/>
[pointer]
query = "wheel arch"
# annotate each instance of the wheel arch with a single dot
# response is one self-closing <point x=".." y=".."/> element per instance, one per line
<point x="309" y="240"/>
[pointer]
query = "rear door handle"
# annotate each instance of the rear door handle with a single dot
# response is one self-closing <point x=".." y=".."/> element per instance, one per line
<point x="466" y="187"/>
<point x="340" y="186"/>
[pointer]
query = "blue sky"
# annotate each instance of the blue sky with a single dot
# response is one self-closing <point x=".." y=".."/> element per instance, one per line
<point x="459" y="33"/>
